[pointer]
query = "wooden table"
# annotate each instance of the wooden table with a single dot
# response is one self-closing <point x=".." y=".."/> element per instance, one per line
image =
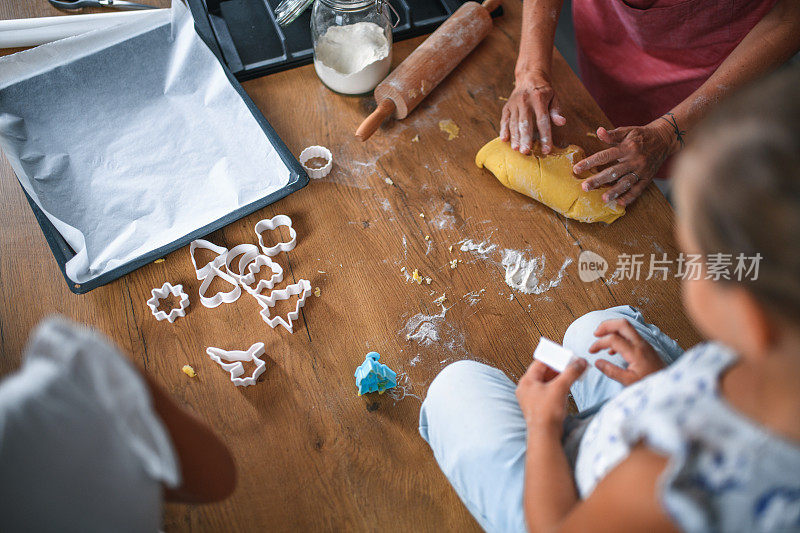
<point x="311" y="454"/>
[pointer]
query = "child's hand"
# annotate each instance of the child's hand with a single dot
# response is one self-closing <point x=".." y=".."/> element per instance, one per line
<point x="620" y="337"/>
<point x="543" y="398"/>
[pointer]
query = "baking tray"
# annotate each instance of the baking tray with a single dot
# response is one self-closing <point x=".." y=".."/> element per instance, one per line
<point x="247" y="39"/>
<point x="297" y="180"/>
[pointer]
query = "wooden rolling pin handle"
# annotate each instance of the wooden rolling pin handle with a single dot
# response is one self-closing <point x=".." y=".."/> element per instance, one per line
<point x="491" y="5"/>
<point x="373" y="122"/>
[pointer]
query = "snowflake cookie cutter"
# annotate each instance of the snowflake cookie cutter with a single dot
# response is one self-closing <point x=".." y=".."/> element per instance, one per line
<point x="231" y="361"/>
<point x="316" y="152"/>
<point x="248" y="252"/>
<point x="221" y="297"/>
<point x="271" y="224"/>
<point x="254" y="267"/>
<point x="302" y="289"/>
<point x="165" y="290"/>
<point x="218" y="261"/>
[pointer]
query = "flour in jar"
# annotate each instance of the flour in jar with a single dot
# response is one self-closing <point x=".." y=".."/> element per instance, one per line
<point x="353" y="59"/>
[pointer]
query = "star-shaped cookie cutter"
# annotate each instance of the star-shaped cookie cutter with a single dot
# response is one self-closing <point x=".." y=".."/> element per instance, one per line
<point x="163" y="292"/>
<point x="234" y="365"/>
<point x="220" y="297"/>
<point x="301" y="288"/>
<point x="271" y="224"/>
<point x="214" y="263"/>
<point x="254" y="268"/>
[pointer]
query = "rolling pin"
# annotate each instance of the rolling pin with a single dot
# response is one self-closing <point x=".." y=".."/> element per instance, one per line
<point x="429" y="64"/>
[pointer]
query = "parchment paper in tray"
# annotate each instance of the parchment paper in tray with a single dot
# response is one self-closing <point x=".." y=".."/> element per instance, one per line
<point x="130" y="138"/>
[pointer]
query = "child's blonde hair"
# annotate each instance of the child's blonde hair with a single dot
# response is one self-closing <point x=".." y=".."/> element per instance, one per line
<point x="744" y="186"/>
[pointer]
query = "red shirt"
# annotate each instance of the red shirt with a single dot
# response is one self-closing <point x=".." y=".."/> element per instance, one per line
<point x="640" y="58"/>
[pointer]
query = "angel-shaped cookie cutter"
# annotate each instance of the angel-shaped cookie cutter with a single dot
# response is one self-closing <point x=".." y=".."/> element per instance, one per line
<point x="301" y="288"/>
<point x="254" y="267"/>
<point x="234" y="365"/>
<point x="163" y="292"/>
<point x="214" y="263"/>
<point x="221" y="297"/>
<point x="248" y="252"/>
<point x="271" y="224"/>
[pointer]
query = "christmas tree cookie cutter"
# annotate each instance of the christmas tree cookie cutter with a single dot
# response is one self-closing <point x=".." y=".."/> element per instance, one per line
<point x="248" y="252"/>
<point x="372" y="376"/>
<point x="271" y="224"/>
<point x="163" y="292"/>
<point x="231" y="361"/>
<point x="221" y="297"/>
<point x="214" y="263"/>
<point x="302" y="289"/>
<point x="254" y="267"/>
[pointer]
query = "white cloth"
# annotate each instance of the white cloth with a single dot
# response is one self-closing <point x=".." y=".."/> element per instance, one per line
<point x="81" y="448"/>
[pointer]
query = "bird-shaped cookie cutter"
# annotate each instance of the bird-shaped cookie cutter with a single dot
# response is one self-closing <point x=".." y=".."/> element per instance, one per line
<point x="163" y="292"/>
<point x="231" y="361"/>
<point x="301" y="288"/>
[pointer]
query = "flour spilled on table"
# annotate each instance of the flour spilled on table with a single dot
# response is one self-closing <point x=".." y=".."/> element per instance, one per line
<point x="524" y="274"/>
<point x="483" y="248"/>
<point x="445" y="219"/>
<point x="425" y="328"/>
<point x="474" y="297"/>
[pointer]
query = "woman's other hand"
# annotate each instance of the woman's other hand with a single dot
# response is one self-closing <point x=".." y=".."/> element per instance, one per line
<point x="530" y="112"/>
<point x="635" y="155"/>
<point x="618" y="336"/>
<point x="543" y="398"/>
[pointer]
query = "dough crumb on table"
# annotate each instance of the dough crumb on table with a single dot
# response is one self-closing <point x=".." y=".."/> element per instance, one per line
<point x="189" y="371"/>
<point x="450" y="128"/>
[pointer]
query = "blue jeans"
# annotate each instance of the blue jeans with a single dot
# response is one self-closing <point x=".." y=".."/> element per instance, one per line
<point x="474" y="425"/>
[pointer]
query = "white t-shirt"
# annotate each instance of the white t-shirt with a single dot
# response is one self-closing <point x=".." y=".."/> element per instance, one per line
<point x="81" y="448"/>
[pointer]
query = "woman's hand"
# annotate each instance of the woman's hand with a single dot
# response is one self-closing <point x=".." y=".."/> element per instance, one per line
<point x="533" y="98"/>
<point x="635" y="156"/>
<point x="618" y="336"/>
<point x="542" y="396"/>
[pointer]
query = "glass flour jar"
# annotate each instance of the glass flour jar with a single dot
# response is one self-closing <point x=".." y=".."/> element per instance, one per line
<point x="352" y="43"/>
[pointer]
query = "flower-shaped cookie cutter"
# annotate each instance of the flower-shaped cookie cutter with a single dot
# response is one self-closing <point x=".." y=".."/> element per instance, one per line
<point x="271" y="224"/>
<point x="214" y="263"/>
<point x="313" y="152"/>
<point x="161" y="293"/>
<point x="248" y="252"/>
<point x="231" y="361"/>
<point x="254" y="267"/>
<point x="302" y="288"/>
<point x="221" y="297"/>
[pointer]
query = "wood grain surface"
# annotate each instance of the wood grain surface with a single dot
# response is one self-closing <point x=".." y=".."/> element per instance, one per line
<point x="311" y="454"/>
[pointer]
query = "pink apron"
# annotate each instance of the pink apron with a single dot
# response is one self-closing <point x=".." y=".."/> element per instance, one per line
<point x="640" y="58"/>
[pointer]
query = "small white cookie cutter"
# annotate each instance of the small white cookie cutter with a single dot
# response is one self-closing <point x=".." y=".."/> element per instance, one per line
<point x="301" y="288"/>
<point x="316" y="151"/>
<point x="254" y="267"/>
<point x="220" y="297"/>
<point x="214" y="263"/>
<point x="248" y="252"/>
<point x="163" y="292"/>
<point x="235" y="359"/>
<point x="271" y="224"/>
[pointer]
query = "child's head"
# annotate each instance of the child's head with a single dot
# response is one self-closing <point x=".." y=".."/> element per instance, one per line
<point x="738" y="192"/>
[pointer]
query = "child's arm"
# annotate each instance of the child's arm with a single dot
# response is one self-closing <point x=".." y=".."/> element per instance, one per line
<point x="624" y="500"/>
<point x="549" y="491"/>
<point x="208" y="472"/>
